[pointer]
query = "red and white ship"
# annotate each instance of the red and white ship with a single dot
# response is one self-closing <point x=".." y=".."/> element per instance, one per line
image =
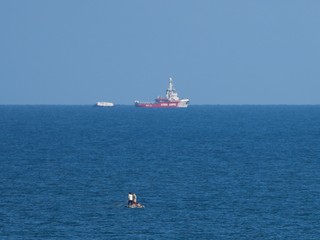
<point x="170" y="101"/>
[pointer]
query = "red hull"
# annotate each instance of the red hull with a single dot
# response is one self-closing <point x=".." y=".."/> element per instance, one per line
<point x="158" y="105"/>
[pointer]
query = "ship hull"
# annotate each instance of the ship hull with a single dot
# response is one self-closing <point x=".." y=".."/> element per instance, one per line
<point x="104" y="104"/>
<point x="156" y="105"/>
<point x="162" y="105"/>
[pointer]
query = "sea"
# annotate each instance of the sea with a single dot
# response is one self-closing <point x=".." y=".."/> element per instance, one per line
<point x="202" y="172"/>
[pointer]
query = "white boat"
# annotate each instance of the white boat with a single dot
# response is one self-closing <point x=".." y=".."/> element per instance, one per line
<point x="104" y="104"/>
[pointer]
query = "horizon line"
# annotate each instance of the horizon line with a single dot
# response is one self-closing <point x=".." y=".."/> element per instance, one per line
<point x="201" y="104"/>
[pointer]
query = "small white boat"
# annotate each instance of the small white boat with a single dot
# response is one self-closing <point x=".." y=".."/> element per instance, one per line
<point x="104" y="104"/>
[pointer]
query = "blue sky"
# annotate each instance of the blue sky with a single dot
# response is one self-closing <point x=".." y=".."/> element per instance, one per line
<point x="218" y="52"/>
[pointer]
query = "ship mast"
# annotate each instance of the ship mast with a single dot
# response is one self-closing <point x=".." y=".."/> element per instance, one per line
<point x="170" y="85"/>
<point x="171" y="93"/>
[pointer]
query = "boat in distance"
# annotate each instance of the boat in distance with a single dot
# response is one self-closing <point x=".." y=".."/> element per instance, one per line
<point x="170" y="101"/>
<point x="104" y="104"/>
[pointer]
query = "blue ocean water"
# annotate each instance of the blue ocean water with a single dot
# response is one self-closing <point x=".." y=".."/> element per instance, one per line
<point x="205" y="172"/>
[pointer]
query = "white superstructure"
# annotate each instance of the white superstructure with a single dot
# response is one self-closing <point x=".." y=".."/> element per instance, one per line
<point x="171" y="93"/>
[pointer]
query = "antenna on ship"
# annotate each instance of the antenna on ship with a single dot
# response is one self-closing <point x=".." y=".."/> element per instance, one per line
<point x="170" y="84"/>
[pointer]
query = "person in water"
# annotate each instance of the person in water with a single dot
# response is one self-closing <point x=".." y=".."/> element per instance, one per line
<point x="132" y="201"/>
<point x="130" y="198"/>
<point x="134" y="198"/>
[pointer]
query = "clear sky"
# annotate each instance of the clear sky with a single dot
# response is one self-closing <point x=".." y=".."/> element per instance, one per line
<point x="217" y="52"/>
